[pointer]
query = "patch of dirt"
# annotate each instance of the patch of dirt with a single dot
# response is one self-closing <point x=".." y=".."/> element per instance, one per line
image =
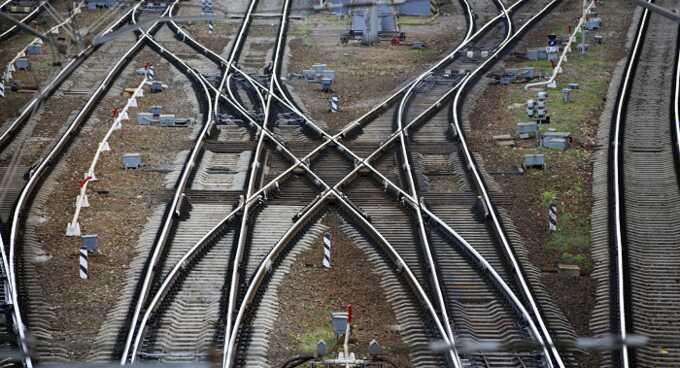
<point x="120" y="202"/>
<point x="364" y="75"/>
<point x="568" y="175"/>
<point x="309" y="293"/>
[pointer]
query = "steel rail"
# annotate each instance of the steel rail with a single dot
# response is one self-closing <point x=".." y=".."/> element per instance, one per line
<point x="265" y="266"/>
<point x="233" y="54"/>
<point x="406" y="167"/>
<point x="8" y="259"/>
<point x="64" y="73"/>
<point x="487" y="267"/>
<point x="16" y="311"/>
<point x="139" y="334"/>
<point x="4" y="35"/>
<point x="175" y="205"/>
<point x="422" y="295"/>
<point x="676" y="105"/>
<point x="52" y="29"/>
<point x="53" y="84"/>
<point x="481" y="186"/>
<point x="513" y="299"/>
<point x="66" y="136"/>
<point x="380" y="107"/>
<point x="171" y="277"/>
<point x="624" y="93"/>
<point x="412" y="122"/>
<point x="413" y="201"/>
<point x="232" y="94"/>
<point x="252" y="179"/>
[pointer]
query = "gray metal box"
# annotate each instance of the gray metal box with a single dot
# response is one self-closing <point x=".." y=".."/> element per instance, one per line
<point x="339" y="322"/>
<point x="534" y="160"/>
<point x="537" y="54"/>
<point x="593" y="23"/>
<point x="34" y="49"/>
<point x="132" y="160"/>
<point x="528" y="72"/>
<point x="89" y="242"/>
<point x="506" y="81"/>
<point x="309" y="74"/>
<point x="155" y="110"/>
<point x="168" y="120"/>
<point x="156" y="87"/>
<point x="555" y="143"/>
<point x="528" y="128"/>
<point x="144" y="118"/>
<point x="22" y="64"/>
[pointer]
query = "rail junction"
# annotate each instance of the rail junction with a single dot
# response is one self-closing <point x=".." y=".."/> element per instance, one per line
<point x="248" y="194"/>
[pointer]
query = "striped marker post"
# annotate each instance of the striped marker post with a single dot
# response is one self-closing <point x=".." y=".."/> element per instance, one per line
<point x="552" y="216"/>
<point x="327" y="250"/>
<point x="2" y="89"/>
<point x="83" y="264"/>
<point x="334" y="103"/>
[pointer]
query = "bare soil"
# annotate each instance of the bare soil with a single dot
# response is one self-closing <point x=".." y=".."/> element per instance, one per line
<point x="120" y="202"/>
<point x="365" y="76"/>
<point x="310" y="292"/>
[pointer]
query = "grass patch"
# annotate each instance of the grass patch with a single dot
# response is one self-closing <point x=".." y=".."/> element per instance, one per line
<point x="309" y="340"/>
<point x="317" y="327"/>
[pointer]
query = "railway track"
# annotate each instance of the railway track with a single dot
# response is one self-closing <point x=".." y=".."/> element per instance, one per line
<point x="13" y="256"/>
<point x="32" y="141"/>
<point x="227" y="262"/>
<point x="317" y="181"/>
<point x="644" y="197"/>
<point x="11" y="30"/>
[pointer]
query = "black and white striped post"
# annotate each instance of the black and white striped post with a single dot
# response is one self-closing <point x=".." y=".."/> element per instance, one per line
<point x="334" y="103"/>
<point x="83" y="264"/>
<point x="207" y="8"/>
<point x="552" y="216"/>
<point x="327" y="250"/>
<point x="2" y="88"/>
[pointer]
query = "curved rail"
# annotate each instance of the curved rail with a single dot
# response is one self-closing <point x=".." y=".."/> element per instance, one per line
<point x="47" y="161"/>
<point x="350" y="127"/>
<point x="8" y="259"/>
<point x="481" y="187"/>
<point x="53" y="84"/>
<point x="252" y="179"/>
<point x="253" y="198"/>
<point x="616" y="188"/>
<point x="406" y="167"/>
<point x="4" y="35"/>
<point x="135" y="332"/>
<point x="173" y="209"/>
